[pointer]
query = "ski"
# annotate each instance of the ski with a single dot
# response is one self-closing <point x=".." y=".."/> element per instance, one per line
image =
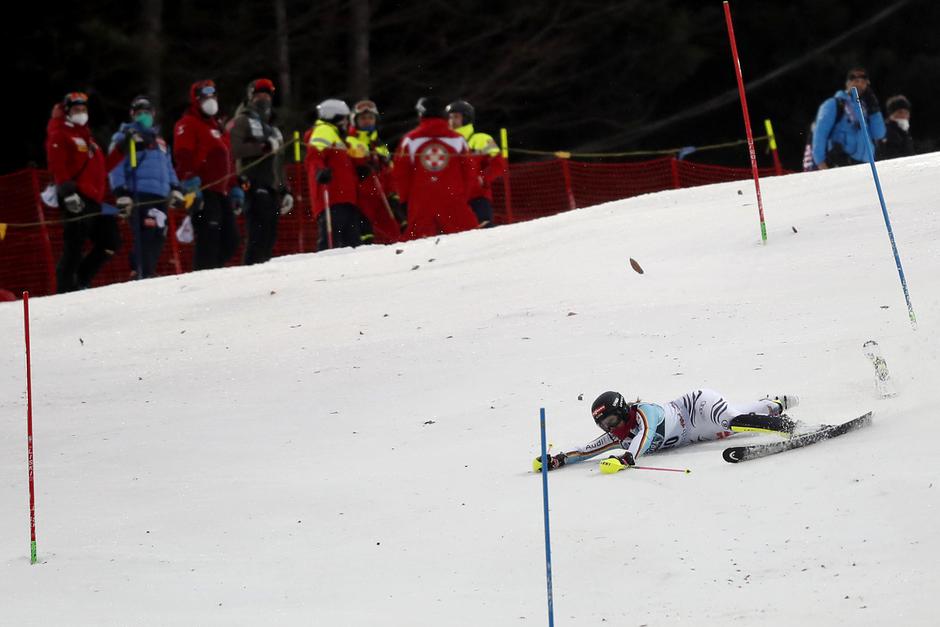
<point x="737" y="454"/>
<point x="883" y="382"/>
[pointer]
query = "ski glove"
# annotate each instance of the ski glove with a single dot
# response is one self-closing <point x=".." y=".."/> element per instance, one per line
<point x="324" y="176"/>
<point x="177" y="200"/>
<point x="554" y="462"/>
<point x="287" y="203"/>
<point x="73" y="203"/>
<point x="236" y="196"/>
<point x="192" y="186"/>
<point x="124" y="203"/>
<point x="871" y="100"/>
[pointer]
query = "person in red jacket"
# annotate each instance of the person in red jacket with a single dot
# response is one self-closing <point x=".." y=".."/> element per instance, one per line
<point x="377" y="198"/>
<point x="78" y="169"/>
<point x="332" y="179"/>
<point x="433" y="170"/>
<point x="203" y="161"/>
<point x="488" y="161"/>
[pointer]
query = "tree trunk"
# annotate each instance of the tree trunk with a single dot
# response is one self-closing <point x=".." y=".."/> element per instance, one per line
<point x="153" y="44"/>
<point x="283" y="55"/>
<point x="359" y="77"/>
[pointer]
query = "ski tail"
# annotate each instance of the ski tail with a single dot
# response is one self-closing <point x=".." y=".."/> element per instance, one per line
<point x="737" y="454"/>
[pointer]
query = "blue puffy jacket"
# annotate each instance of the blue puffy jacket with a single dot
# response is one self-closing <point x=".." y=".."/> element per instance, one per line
<point x="844" y="129"/>
<point x="154" y="173"/>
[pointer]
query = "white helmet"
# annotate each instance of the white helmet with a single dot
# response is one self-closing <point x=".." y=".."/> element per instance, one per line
<point x="332" y="110"/>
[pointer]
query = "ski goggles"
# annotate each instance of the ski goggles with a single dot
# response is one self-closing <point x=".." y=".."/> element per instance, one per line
<point x="76" y="98"/>
<point x="206" y="91"/>
<point x="365" y="106"/>
<point x="609" y="421"/>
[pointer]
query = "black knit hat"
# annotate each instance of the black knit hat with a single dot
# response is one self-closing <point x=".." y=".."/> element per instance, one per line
<point x="896" y="103"/>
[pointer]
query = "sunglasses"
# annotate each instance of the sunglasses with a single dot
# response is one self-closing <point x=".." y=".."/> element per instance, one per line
<point x="858" y="77"/>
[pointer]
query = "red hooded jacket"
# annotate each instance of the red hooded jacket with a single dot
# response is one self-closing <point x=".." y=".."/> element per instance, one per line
<point x="73" y="155"/>
<point x="201" y="148"/>
<point x="433" y="170"/>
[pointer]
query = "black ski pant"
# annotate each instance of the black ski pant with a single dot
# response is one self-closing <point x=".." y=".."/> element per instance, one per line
<point x="347" y="223"/>
<point x="261" y="216"/>
<point x="74" y="270"/>
<point x="483" y="210"/>
<point x="215" y="231"/>
<point x="149" y="236"/>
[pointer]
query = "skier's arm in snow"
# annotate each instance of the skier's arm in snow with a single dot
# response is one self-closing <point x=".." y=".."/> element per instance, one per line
<point x="593" y="448"/>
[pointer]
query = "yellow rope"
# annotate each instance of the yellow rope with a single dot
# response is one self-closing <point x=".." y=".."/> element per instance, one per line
<point x="564" y="154"/>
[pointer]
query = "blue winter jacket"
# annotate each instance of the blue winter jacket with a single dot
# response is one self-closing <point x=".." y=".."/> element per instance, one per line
<point x="847" y="131"/>
<point x="154" y="173"/>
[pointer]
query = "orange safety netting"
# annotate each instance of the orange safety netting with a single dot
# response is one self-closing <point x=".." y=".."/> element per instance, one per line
<point x="32" y="233"/>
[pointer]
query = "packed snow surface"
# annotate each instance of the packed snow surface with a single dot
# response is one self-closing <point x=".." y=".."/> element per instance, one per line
<point x="346" y="438"/>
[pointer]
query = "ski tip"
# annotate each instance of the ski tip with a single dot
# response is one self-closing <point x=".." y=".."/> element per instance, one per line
<point x="732" y="455"/>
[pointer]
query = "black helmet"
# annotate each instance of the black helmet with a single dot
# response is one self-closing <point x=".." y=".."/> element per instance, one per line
<point x="430" y="107"/>
<point x="610" y="410"/>
<point x="462" y="107"/>
<point x="141" y="103"/>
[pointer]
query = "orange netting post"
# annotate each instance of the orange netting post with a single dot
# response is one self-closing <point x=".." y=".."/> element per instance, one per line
<point x="507" y="190"/>
<point x="44" y="234"/>
<point x="566" y="176"/>
<point x="674" y="170"/>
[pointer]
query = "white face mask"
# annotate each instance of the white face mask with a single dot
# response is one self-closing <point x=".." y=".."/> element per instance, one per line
<point x="903" y="124"/>
<point x="79" y="119"/>
<point x="210" y="106"/>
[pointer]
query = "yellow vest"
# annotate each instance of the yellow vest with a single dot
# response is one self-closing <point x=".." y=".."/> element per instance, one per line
<point x="480" y="143"/>
<point x="326" y="135"/>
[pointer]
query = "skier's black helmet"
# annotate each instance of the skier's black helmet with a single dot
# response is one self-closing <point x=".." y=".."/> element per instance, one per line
<point x="609" y="410"/>
<point x="462" y="107"/>
<point x="430" y="107"/>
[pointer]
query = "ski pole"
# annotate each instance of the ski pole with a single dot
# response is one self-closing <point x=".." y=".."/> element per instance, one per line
<point x="685" y="470"/>
<point x="884" y="208"/>
<point x="329" y="218"/>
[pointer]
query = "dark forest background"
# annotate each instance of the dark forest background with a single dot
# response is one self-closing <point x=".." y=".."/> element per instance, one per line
<point x="586" y="75"/>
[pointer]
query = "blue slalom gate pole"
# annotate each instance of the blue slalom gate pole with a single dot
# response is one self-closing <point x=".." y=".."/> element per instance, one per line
<point x="884" y="208"/>
<point x="548" y="544"/>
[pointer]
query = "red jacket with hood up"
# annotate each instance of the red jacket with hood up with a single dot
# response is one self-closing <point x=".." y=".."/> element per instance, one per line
<point x="73" y="155"/>
<point x="201" y="148"/>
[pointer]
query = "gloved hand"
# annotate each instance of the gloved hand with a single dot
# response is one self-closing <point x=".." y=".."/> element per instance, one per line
<point x="363" y="172"/>
<point x="324" y="176"/>
<point x="192" y="186"/>
<point x="155" y="218"/>
<point x="871" y="100"/>
<point x="177" y="200"/>
<point x="615" y="464"/>
<point x="553" y="462"/>
<point x="271" y="144"/>
<point x="124" y="202"/>
<point x="73" y="203"/>
<point x="236" y="197"/>
<point x="287" y="203"/>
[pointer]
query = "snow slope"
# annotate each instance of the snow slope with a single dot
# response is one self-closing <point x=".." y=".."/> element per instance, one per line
<point x="346" y="438"/>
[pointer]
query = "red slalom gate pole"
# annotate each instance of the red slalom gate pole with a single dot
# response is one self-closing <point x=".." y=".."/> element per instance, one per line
<point x="29" y="435"/>
<point x="747" y="120"/>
